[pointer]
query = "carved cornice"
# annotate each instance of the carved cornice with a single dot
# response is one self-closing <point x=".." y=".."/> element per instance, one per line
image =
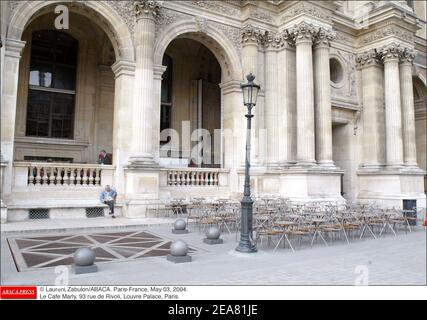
<point x="308" y="10"/>
<point x="217" y="6"/>
<point x="384" y="32"/>
<point x="303" y="32"/>
<point x="146" y="8"/>
<point x="368" y="58"/>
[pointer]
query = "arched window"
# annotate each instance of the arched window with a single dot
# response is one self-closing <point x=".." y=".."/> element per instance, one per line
<point x="52" y="85"/>
<point x="166" y="95"/>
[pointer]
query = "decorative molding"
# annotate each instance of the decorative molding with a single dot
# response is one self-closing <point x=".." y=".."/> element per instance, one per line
<point x="14" y="4"/>
<point x="261" y="15"/>
<point x="217" y="6"/>
<point x="231" y="33"/>
<point x="146" y="8"/>
<point x="305" y="9"/>
<point x="167" y="17"/>
<point x="125" y="11"/>
<point x="201" y="23"/>
<point x="385" y="32"/>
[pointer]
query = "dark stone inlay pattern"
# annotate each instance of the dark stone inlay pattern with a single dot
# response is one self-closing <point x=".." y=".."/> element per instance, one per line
<point x="51" y="251"/>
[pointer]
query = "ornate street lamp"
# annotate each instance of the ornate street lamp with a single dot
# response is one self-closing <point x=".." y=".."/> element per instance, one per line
<point x="250" y="94"/>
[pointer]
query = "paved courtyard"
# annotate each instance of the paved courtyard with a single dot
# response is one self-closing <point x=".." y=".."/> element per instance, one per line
<point x="388" y="260"/>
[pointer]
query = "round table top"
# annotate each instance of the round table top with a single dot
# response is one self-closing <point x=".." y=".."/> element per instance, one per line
<point x="284" y="223"/>
<point x="317" y="220"/>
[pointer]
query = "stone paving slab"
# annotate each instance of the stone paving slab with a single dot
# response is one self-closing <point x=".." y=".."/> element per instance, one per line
<point x="64" y="225"/>
<point x="388" y="260"/>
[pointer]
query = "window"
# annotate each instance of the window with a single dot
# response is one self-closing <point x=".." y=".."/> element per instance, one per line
<point x="52" y="85"/>
<point x="166" y="96"/>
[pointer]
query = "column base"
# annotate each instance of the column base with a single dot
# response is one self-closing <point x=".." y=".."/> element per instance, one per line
<point x="326" y="164"/>
<point x="142" y="161"/>
<point x="372" y="166"/>
<point x="395" y="166"/>
<point x="306" y="163"/>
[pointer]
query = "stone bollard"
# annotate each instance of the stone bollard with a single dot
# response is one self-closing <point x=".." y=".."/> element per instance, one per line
<point x="84" y="259"/>
<point x="180" y="227"/>
<point x="179" y="252"/>
<point x="213" y="236"/>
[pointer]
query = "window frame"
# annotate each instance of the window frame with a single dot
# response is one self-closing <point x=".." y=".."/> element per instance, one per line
<point x="52" y="91"/>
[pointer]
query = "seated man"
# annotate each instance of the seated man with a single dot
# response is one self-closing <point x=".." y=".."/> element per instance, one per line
<point x="108" y="197"/>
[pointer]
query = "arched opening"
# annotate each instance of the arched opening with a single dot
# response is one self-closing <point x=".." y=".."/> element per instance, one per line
<point x="420" y="104"/>
<point x="65" y="104"/>
<point x="190" y="106"/>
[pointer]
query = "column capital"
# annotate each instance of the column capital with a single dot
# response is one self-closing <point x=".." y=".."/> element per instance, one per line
<point x="324" y="37"/>
<point x="278" y="41"/>
<point x="123" y="67"/>
<point x="146" y="9"/>
<point x="390" y="52"/>
<point x="253" y="35"/>
<point x="368" y="58"/>
<point x="13" y="48"/>
<point x="303" y="32"/>
<point x="407" y="56"/>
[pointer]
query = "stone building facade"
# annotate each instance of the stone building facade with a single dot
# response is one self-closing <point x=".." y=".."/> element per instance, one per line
<point x="341" y="114"/>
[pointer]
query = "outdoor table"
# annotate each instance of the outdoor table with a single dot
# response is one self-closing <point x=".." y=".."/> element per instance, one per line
<point x="317" y="230"/>
<point x="342" y="219"/>
<point x="387" y="219"/>
<point x="284" y="225"/>
<point x="365" y="223"/>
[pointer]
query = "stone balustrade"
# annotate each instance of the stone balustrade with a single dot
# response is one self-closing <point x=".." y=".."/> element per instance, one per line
<point x="56" y="175"/>
<point x="196" y="177"/>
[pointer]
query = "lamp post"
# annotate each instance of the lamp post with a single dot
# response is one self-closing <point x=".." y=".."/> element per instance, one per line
<point x="250" y="94"/>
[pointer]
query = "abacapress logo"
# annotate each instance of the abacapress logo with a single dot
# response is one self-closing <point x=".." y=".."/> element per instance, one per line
<point x="18" y="292"/>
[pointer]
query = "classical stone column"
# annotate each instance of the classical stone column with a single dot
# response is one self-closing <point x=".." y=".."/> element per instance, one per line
<point x="373" y="104"/>
<point x="408" y="112"/>
<point x="322" y="98"/>
<point x="304" y="34"/>
<point x="271" y="103"/>
<point x="252" y="38"/>
<point x="142" y="138"/>
<point x="393" y="112"/>
<point x="124" y="72"/>
<point x="13" y="49"/>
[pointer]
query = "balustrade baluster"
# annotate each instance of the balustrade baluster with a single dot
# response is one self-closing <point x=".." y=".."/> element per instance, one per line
<point x="97" y="177"/>
<point x="38" y="177"/>
<point x="31" y="175"/>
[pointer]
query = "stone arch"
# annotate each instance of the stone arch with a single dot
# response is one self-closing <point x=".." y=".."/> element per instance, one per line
<point x="213" y="39"/>
<point x="105" y="17"/>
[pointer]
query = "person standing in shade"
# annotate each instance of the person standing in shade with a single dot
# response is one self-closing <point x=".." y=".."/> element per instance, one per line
<point x="108" y="196"/>
<point x="104" y="158"/>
